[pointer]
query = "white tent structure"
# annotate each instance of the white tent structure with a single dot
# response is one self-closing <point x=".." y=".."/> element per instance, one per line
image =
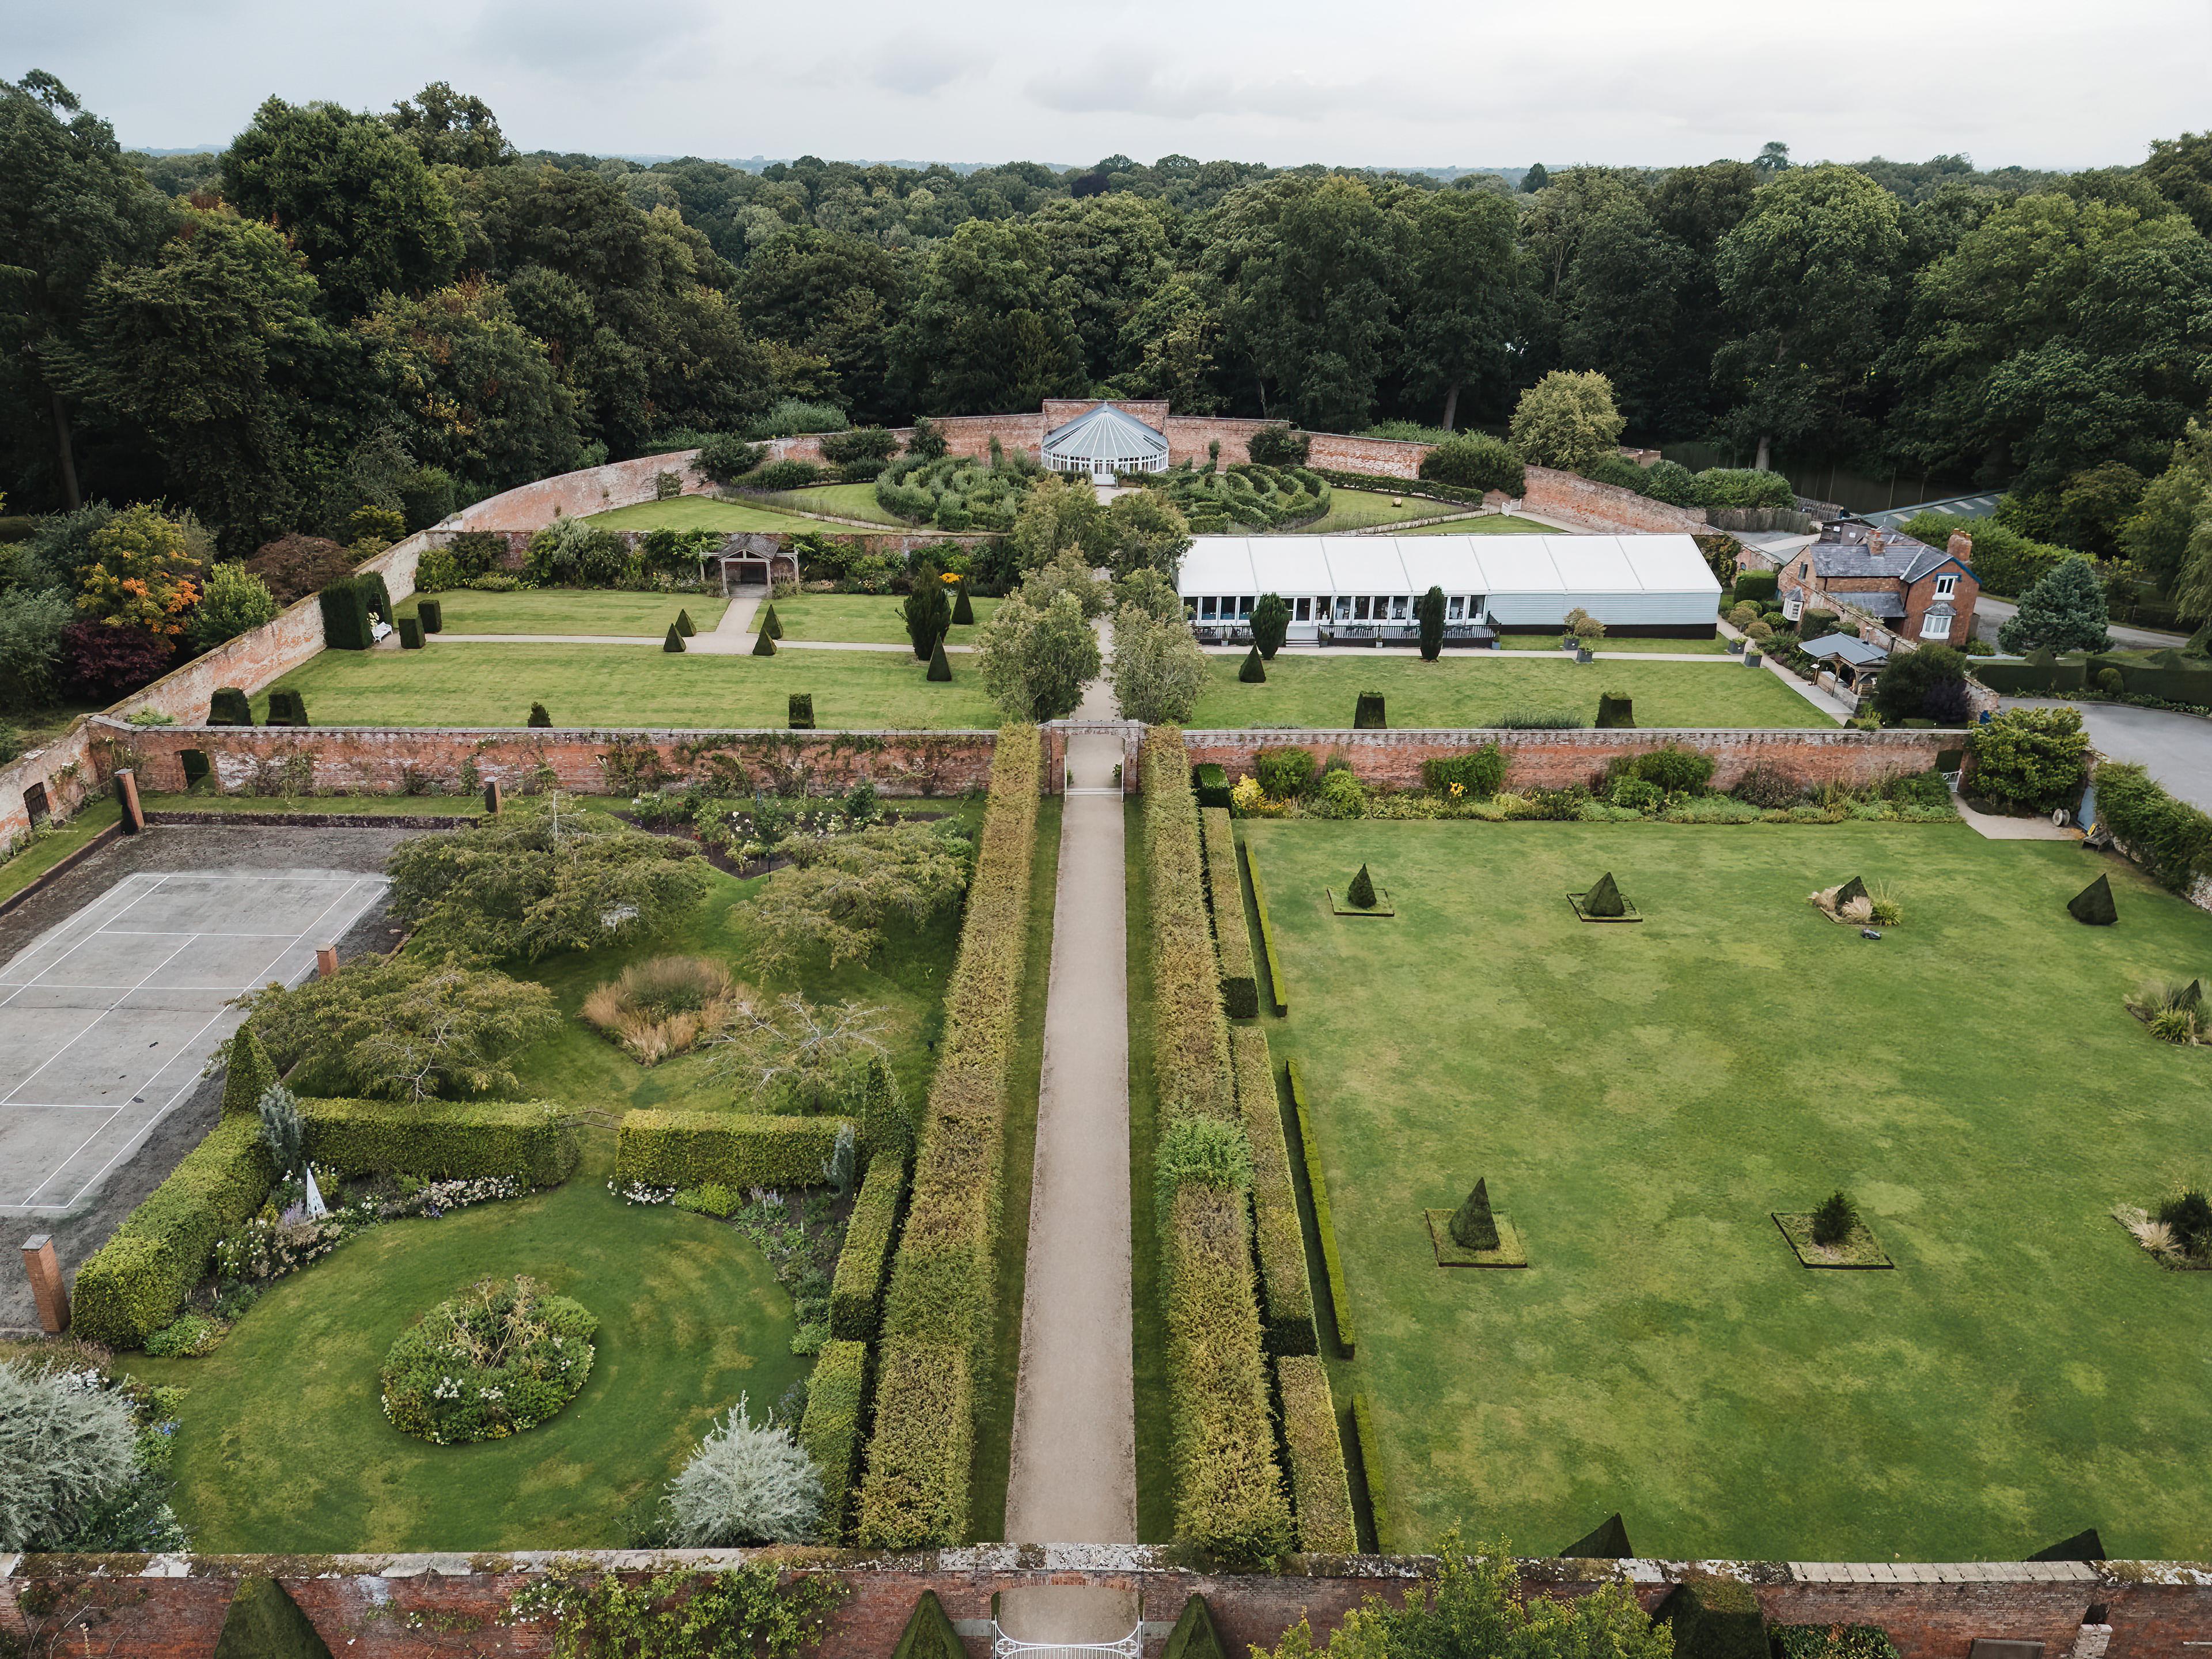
<point x="1363" y="587"/>
<point x="1104" y="441"/>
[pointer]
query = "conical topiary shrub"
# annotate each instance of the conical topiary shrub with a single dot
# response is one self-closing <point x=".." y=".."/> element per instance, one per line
<point x="1604" y="898"/>
<point x="941" y="667"/>
<point x="1368" y="716"/>
<point x="771" y="624"/>
<point x="247" y="1074"/>
<point x="684" y="624"/>
<point x="1606" y="1541"/>
<point x="674" y="641"/>
<point x="1834" y="1219"/>
<point x="928" y="1633"/>
<point x="802" y="711"/>
<point x="538" y="715"/>
<point x="229" y="707"/>
<point x="1362" y="891"/>
<point x="1253" y="672"/>
<point x="2093" y="905"/>
<point x="263" y="1622"/>
<point x="764" y="644"/>
<point x="963" y="612"/>
<point x="1615" y="710"/>
<point x="1473" y="1227"/>
<point x="1853" y="889"/>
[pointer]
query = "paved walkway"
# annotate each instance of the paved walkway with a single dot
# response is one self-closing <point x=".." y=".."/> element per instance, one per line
<point x="1074" y="1474"/>
<point x="1833" y="707"/>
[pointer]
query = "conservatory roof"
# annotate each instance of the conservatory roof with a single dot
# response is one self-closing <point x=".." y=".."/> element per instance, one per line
<point x="1106" y="436"/>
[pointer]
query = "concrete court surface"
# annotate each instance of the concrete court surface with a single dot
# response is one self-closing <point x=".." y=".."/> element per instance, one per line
<point x="107" y="1019"/>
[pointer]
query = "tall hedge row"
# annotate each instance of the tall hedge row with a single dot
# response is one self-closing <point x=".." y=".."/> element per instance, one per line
<point x="442" y="1140"/>
<point x="1319" y="1485"/>
<point x="938" y="1314"/>
<point x="1229" y="1496"/>
<point x="1286" y="1292"/>
<point x="1240" y="987"/>
<point x="830" y="1428"/>
<point x="735" y="1150"/>
<point x="856" y="1293"/>
<point x="134" y="1283"/>
<point x="2169" y="838"/>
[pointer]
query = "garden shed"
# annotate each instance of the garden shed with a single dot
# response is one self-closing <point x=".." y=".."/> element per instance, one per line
<point x="1104" y="441"/>
<point x="1360" y="588"/>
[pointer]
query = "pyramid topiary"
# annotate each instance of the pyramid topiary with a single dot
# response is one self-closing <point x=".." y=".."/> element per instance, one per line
<point x="802" y="711"/>
<point x="1253" y="672"/>
<point x="1368" y="716"/>
<point x="247" y="1074"/>
<point x="2168" y="658"/>
<point x="684" y="624"/>
<point x="941" y="667"/>
<point x="2093" y="906"/>
<point x="1606" y="1541"/>
<point x="1604" y="898"/>
<point x="2192" y="996"/>
<point x="2083" y="1546"/>
<point x="764" y="644"/>
<point x="771" y="624"/>
<point x="963" y="612"/>
<point x="674" y="641"/>
<point x="1194" y="1636"/>
<point x="228" y="707"/>
<point x="1473" y="1227"/>
<point x="1362" y="891"/>
<point x="264" y="1622"/>
<point x="1855" y="888"/>
<point x="538" y="716"/>
<point x="1615" y="710"/>
<point x="928" y="1633"/>
<point x="1716" y="1619"/>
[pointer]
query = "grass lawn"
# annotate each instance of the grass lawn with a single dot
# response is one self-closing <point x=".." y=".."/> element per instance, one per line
<point x="627" y="686"/>
<point x="846" y="500"/>
<point x="1356" y="509"/>
<point x="863" y="619"/>
<point x="703" y="512"/>
<point x="285" y="1446"/>
<point x="55" y="844"/>
<point x="1712" y="648"/>
<point x="1463" y="688"/>
<point x="1639" y="1098"/>
<point x="560" y="610"/>
<point x="1489" y="524"/>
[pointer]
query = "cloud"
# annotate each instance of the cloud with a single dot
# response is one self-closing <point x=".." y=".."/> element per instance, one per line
<point x="1131" y="82"/>
<point x="575" y="40"/>
<point x="917" y="64"/>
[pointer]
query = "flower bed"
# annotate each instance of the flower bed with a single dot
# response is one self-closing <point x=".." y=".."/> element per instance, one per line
<point x="497" y="1360"/>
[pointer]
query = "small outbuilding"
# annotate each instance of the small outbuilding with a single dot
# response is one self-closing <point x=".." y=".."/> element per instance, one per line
<point x="1104" y="441"/>
<point x="1361" y="589"/>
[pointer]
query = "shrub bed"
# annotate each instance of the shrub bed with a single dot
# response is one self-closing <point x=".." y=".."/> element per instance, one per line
<point x="740" y="1150"/>
<point x="856" y="1294"/>
<point x="1320" y="1488"/>
<point x="937" y="1323"/>
<point x="1286" y="1292"/>
<point x="1324" y="1222"/>
<point x="2169" y="838"/>
<point x="443" y="1140"/>
<point x="1240" y="990"/>
<point x="499" y="1358"/>
<point x="830" y="1430"/>
<point x="134" y="1284"/>
<point x="1277" y="992"/>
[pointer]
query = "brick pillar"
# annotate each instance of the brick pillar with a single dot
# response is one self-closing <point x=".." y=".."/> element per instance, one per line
<point x="126" y="791"/>
<point x="46" y="1287"/>
<point x="493" y="799"/>
<point x="327" y="961"/>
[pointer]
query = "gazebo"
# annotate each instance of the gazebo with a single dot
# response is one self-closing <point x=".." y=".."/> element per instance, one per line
<point x="1104" y="441"/>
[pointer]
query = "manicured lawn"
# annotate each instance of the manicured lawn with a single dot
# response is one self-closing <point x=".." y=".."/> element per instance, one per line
<point x="847" y="500"/>
<point x="560" y="610"/>
<point x="703" y="512"/>
<point x="1489" y="524"/>
<point x="1550" y="642"/>
<point x="863" y="618"/>
<point x="285" y="1446"/>
<point x="1639" y="1098"/>
<point x="1356" y="509"/>
<point x="1475" y="689"/>
<point x="463" y="684"/>
<point x="57" y="844"/>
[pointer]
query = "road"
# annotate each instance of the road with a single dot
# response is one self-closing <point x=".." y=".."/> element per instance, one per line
<point x="1990" y="615"/>
<point x="2175" y="749"/>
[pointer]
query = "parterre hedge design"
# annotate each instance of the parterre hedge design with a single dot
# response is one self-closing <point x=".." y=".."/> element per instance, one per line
<point x="1240" y="990"/>
<point x="1319" y="1485"/>
<point x="1324" y="1222"/>
<point x="856" y="1293"/>
<point x="830" y="1429"/>
<point x="729" y="1149"/>
<point x="937" y="1324"/>
<point x="1285" y="1293"/>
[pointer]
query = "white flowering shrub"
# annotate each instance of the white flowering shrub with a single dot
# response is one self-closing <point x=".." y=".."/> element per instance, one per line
<point x="499" y="1358"/>
<point x="68" y="1447"/>
<point x="747" y="1483"/>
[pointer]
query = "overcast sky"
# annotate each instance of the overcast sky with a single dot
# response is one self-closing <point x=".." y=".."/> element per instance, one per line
<point x="2046" y="83"/>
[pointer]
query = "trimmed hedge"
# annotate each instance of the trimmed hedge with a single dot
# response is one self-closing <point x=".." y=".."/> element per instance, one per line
<point x="347" y="604"/>
<point x="247" y="1073"/>
<point x="1229" y="1494"/>
<point x="1278" y="993"/>
<point x="1319" y="1485"/>
<point x="937" y="1330"/>
<point x="1240" y="989"/>
<point x="1211" y="780"/>
<point x="1332" y="1258"/>
<point x="735" y="1149"/>
<point x="2031" y="680"/>
<point x="830" y="1429"/>
<point x="443" y="1139"/>
<point x="1286" y="1292"/>
<point x="134" y="1283"/>
<point x="1363" y="1426"/>
<point x="856" y="1294"/>
<point x="2169" y="838"/>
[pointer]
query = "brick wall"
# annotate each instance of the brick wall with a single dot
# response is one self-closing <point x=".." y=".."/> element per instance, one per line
<point x="1586" y="504"/>
<point x="414" y="1606"/>
<point x="376" y="760"/>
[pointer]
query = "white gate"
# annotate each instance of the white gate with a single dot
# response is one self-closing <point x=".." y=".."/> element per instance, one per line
<point x="1004" y="1646"/>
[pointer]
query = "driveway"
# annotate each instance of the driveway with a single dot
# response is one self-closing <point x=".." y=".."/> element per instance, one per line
<point x="1990" y="615"/>
<point x="2175" y="749"/>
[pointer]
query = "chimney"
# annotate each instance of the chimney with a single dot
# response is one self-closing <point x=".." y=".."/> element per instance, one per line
<point x="1960" y="546"/>
<point x="1875" y="539"/>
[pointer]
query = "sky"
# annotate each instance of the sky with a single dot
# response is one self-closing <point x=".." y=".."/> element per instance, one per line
<point x="2041" y="83"/>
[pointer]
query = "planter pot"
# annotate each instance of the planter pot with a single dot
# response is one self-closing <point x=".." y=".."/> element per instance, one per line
<point x="1751" y="659"/>
<point x="1581" y="656"/>
<point x="1736" y="647"/>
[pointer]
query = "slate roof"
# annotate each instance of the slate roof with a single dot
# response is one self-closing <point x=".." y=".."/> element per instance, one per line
<point x="1901" y="557"/>
<point x="1841" y="647"/>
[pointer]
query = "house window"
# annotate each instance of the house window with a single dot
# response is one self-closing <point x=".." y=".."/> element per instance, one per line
<point x="1804" y="571"/>
<point x="1935" y="625"/>
<point x="1454" y="608"/>
<point x="1306" y="610"/>
<point x="1945" y="586"/>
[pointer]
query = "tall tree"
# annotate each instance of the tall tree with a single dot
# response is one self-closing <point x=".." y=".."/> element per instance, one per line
<point x="831" y="295"/>
<point x="1466" y="295"/>
<point x="986" y="331"/>
<point x="450" y="128"/>
<point x="1108" y="254"/>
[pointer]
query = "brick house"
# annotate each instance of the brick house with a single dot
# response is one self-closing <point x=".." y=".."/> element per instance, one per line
<point x="1920" y="594"/>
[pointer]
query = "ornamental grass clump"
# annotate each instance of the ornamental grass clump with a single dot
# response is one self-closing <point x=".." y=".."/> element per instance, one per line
<point x="501" y="1357"/>
<point x="2173" y="1012"/>
<point x="663" y="1006"/>
<point x="748" y="1483"/>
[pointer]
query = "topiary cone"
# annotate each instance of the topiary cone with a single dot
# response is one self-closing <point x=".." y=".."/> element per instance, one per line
<point x="2093" y="906"/>
<point x="684" y="624"/>
<point x="1362" y="891"/>
<point x="771" y="624"/>
<point x="1853" y="889"/>
<point x="674" y="641"/>
<point x="247" y="1074"/>
<point x="1473" y="1227"/>
<point x="764" y="644"/>
<point x="939" y="667"/>
<point x="538" y="716"/>
<point x="1604" y="898"/>
<point x="1253" y="672"/>
<point x="963" y="612"/>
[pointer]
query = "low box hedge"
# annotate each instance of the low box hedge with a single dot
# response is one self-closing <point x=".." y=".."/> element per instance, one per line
<point x="1324" y="1222"/>
<point x="1240" y="988"/>
<point x="1286" y="1292"/>
<point x="1320" y="1491"/>
<point x="443" y="1139"/>
<point x="736" y="1150"/>
<point x="830" y="1428"/>
<point x="1211" y="780"/>
<point x="134" y="1283"/>
<point x="939" y="1311"/>
<point x="1279" y="995"/>
<point x="856" y="1293"/>
<point x="1363" y="1430"/>
<point x="2169" y="838"/>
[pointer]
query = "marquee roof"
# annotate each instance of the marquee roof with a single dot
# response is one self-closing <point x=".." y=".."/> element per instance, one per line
<point x="1457" y="564"/>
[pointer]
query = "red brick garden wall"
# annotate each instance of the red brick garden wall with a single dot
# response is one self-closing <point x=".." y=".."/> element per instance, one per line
<point x="1587" y="505"/>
